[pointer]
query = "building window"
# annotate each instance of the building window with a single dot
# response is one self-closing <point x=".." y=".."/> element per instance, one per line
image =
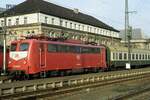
<point x="70" y="25"/>
<point x="83" y="27"/>
<point x="2" y="22"/>
<point x="94" y="30"/>
<point x="90" y="29"/>
<point x="66" y="24"/>
<point x="75" y="26"/>
<point x="9" y="22"/>
<point x="97" y="30"/>
<point x="25" y="20"/>
<point x="53" y="20"/>
<point x="61" y="22"/>
<point x="17" y="21"/>
<point x="46" y="20"/>
<point x="79" y="27"/>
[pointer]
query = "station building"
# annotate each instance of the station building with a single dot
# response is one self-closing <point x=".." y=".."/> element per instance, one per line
<point x="42" y="17"/>
<point x="138" y="39"/>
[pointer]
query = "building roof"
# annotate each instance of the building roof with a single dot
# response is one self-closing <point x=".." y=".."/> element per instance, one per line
<point x="33" y="6"/>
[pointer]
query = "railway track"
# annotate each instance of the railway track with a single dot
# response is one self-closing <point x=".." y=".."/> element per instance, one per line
<point x="57" y="86"/>
<point x="132" y="94"/>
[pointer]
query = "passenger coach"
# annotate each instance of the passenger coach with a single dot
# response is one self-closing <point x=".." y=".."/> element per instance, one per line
<point x="118" y="57"/>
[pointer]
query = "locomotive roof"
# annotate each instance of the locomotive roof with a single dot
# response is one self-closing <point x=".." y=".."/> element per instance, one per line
<point x="36" y="6"/>
<point x="58" y="42"/>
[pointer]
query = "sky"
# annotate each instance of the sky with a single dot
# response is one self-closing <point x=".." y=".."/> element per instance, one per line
<point x="110" y="12"/>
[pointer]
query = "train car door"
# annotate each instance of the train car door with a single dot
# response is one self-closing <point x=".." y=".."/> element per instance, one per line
<point x="42" y="56"/>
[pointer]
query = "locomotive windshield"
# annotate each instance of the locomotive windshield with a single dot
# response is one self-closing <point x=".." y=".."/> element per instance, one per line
<point x="13" y="47"/>
<point x="24" y="46"/>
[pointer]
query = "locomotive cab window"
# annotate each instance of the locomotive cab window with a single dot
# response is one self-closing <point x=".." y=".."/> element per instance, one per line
<point x="13" y="47"/>
<point x="24" y="46"/>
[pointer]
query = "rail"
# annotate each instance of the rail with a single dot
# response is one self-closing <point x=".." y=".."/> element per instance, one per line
<point x="9" y="89"/>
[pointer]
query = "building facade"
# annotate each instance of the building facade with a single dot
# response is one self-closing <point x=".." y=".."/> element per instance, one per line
<point x="34" y="17"/>
<point x="137" y="34"/>
<point x="138" y="40"/>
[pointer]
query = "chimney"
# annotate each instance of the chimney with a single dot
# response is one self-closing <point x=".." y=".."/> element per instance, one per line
<point x="75" y="10"/>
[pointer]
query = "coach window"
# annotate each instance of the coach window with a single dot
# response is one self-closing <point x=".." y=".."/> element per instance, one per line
<point x="24" y="46"/>
<point x="113" y="56"/>
<point x="140" y="57"/>
<point x="52" y="48"/>
<point x="120" y="56"/>
<point x="149" y="57"/>
<point x="143" y="57"/>
<point x="125" y="56"/>
<point x="13" y="47"/>
<point x="136" y="56"/>
<point x="133" y="56"/>
<point x="116" y="56"/>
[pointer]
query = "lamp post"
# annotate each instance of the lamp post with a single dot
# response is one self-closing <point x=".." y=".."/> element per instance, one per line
<point x="4" y="44"/>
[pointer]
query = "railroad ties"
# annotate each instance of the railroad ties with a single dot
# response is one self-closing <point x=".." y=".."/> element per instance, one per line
<point x="23" y="87"/>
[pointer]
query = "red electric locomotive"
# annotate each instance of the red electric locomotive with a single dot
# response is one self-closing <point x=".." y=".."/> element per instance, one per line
<point x="41" y="57"/>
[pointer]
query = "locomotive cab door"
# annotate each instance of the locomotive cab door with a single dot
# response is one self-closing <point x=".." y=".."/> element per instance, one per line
<point x="42" y="56"/>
